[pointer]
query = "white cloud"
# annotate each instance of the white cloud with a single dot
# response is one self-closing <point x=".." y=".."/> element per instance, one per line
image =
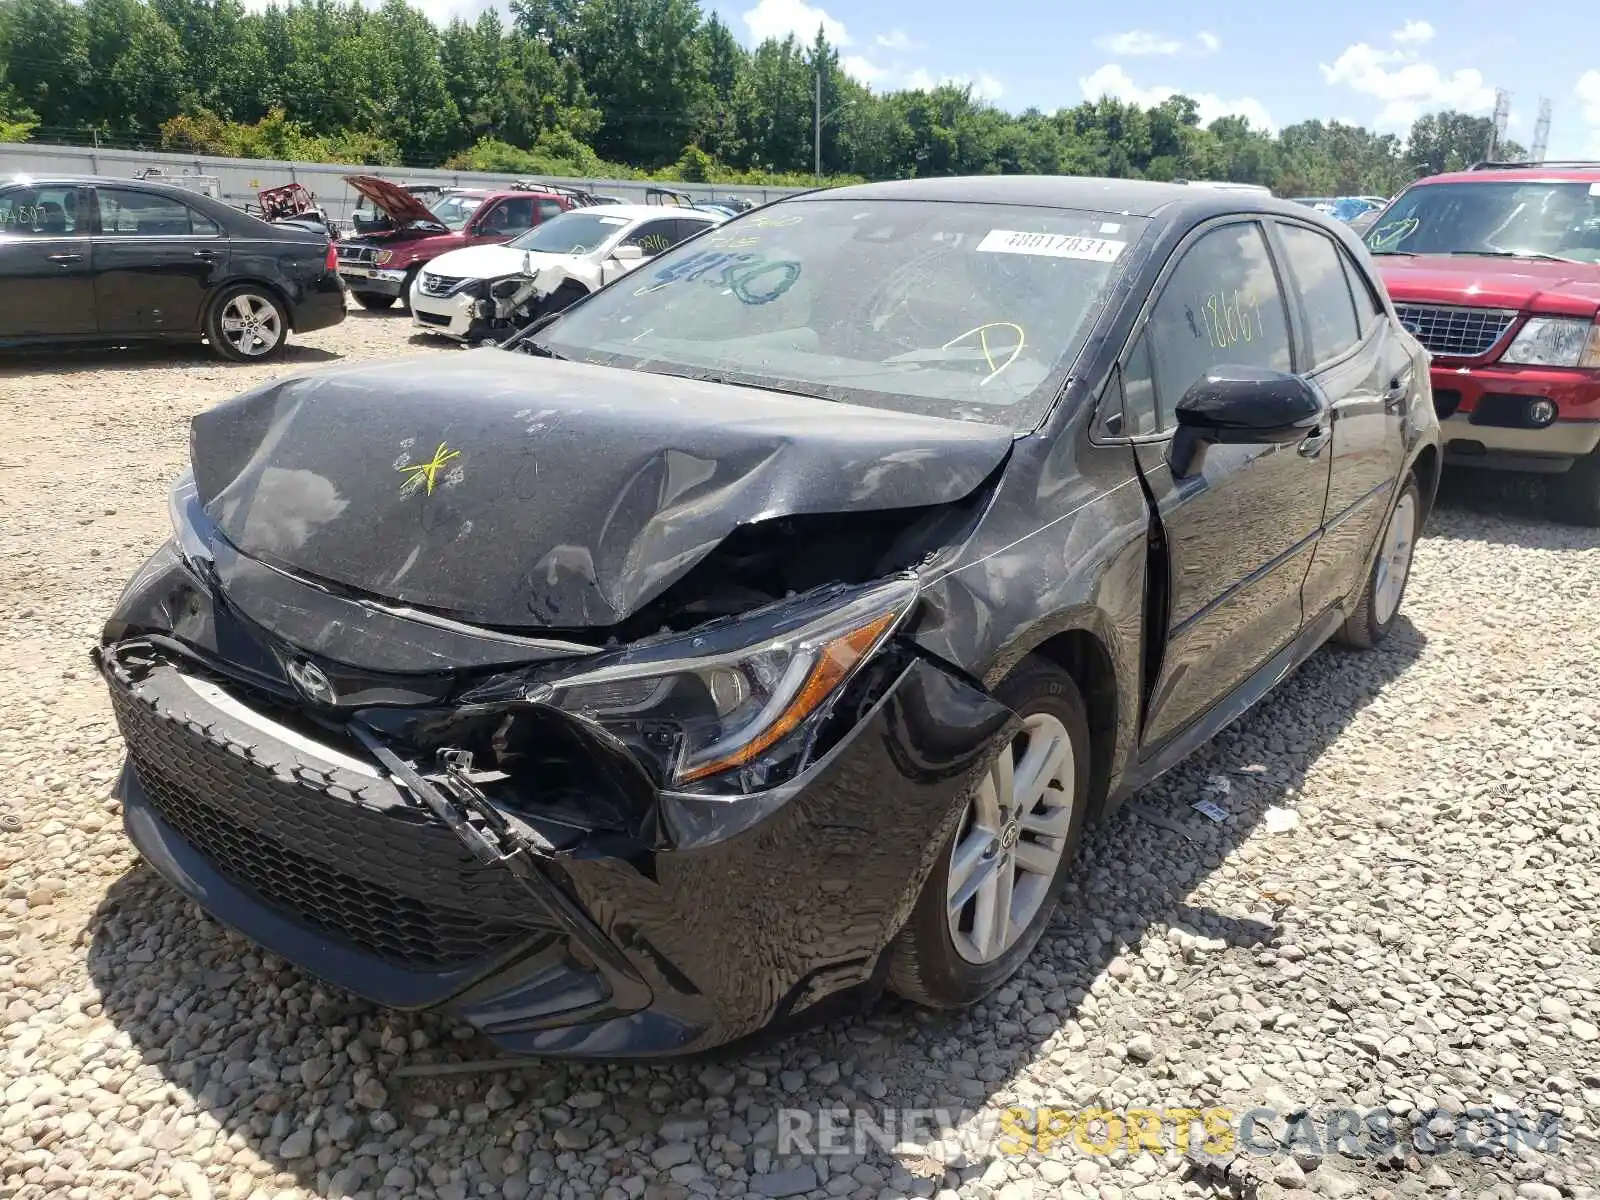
<point x="1137" y="41"/>
<point x="1413" y="33"/>
<point x="897" y="39"/>
<point x="987" y="87"/>
<point x="780" y="18"/>
<point x="861" y="68"/>
<point x="1588" y="93"/>
<point x="1407" y="86"/>
<point x="1112" y="80"/>
<point x="984" y="86"/>
<point x="1141" y="43"/>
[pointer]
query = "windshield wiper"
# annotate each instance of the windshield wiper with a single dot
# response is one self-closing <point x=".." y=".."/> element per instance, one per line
<point x="734" y="381"/>
<point x="1535" y="254"/>
<point x="1397" y="253"/>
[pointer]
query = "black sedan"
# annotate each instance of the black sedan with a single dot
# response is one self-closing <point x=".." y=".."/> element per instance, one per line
<point x="114" y="261"/>
<point x="763" y="629"/>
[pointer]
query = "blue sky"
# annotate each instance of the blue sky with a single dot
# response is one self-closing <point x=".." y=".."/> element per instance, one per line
<point x="1373" y="65"/>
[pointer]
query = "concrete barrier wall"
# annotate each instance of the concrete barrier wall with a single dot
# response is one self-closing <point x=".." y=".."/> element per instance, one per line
<point x="241" y="178"/>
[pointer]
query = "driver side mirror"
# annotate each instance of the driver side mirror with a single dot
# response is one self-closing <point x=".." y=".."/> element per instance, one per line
<point x="1242" y="406"/>
<point x="628" y="253"/>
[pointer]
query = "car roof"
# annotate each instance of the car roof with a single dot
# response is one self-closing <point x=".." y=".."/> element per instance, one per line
<point x="1125" y="197"/>
<point x="637" y="212"/>
<point x="27" y="179"/>
<point x="1553" y="173"/>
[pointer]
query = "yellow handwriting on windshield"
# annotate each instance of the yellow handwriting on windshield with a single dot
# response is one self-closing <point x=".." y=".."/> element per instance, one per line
<point x="770" y="222"/>
<point x="988" y="345"/>
<point x="1388" y="236"/>
<point x="1228" y="318"/>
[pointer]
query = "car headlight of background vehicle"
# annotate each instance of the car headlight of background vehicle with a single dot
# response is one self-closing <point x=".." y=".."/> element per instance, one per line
<point x="1556" y="342"/>
<point x="382" y="257"/>
<point x="706" y="705"/>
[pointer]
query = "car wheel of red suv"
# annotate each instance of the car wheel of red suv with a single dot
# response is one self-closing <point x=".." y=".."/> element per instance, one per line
<point x="1574" y="495"/>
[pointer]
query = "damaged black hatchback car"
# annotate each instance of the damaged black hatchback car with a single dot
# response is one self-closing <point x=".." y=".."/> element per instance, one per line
<point x="763" y="629"/>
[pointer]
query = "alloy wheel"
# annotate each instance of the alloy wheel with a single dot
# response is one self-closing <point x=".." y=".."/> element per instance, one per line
<point x="1011" y="841"/>
<point x="252" y="325"/>
<point x="1394" y="559"/>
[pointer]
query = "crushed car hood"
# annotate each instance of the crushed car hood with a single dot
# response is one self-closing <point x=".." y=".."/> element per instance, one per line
<point x="513" y="491"/>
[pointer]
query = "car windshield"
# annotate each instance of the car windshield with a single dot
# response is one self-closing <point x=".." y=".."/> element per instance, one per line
<point x="571" y="233"/>
<point x="455" y="211"/>
<point x="972" y="311"/>
<point x="1526" y="219"/>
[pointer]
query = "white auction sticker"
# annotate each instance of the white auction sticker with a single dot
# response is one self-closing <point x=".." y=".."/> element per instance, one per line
<point x="1052" y="245"/>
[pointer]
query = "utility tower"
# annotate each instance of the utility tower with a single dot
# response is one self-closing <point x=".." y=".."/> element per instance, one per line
<point x="1541" y="132"/>
<point x="1502" y="113"/>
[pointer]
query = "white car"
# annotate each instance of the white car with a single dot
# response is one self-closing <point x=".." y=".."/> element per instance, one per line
<point x="574" y="253"/>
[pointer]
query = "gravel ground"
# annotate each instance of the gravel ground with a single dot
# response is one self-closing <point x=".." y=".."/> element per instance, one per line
<point x="1415" y="927"/>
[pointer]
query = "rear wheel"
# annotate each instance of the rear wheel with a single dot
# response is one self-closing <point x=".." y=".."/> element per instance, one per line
<point x="376" y="301"/>
<point x="991" y="894"/>
<point x="247" y="324"/>
<point x="1574" y="495"/>
<point x="1370" y="623"/>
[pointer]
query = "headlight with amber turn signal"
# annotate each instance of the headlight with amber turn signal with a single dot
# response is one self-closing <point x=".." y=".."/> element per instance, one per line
<point x="705" y="705"/>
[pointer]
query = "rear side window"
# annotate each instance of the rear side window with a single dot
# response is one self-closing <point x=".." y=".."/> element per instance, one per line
<point x="1319" y="275"/>
<point x="143" y="214"/>
<point x="550" y="208"/>
<point x="1220" y="307"/>
<point x="687" y="228"/>
<point x="44" y="211"/>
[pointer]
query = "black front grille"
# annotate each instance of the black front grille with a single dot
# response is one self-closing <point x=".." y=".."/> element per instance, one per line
<point x="365" y="256"/>
<point x="1445" y="402"/>
<point x="1455" y="332"/>
<point x="428" y="318"/>
<point x="392" y="882"/>
<point x="439" y="285"/>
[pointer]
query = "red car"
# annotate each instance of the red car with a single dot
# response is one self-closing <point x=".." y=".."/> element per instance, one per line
<point x="378" y="267"/>
<point x="1496" y="270"/>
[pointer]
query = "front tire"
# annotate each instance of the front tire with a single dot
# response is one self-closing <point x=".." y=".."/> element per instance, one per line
<point x="989" y="897"/>
<point x="1374" y="617"/>
<point x="1574" y="495"/>
<point x="247" y="323"/>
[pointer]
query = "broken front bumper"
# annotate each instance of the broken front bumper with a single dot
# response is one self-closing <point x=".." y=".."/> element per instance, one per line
<point x="760" y="907"/>
<point x="453" y="316"/>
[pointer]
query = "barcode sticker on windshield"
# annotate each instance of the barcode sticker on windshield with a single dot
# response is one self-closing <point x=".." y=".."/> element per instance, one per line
<point x="1594" y="189"/>
<point x="1052" y="245"/>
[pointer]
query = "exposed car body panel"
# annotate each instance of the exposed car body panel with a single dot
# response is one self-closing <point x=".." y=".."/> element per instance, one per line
<point x="610" y="485"/>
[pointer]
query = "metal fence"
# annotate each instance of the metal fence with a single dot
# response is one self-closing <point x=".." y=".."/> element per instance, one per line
<point x="242" y="178"/>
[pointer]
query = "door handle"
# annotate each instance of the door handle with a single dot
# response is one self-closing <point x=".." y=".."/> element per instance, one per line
<point x="1315" y="441"/>
<point x="206" y="254"/>
<point x="64" y="259"/>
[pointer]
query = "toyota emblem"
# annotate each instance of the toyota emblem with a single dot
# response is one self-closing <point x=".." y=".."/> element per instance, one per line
<point x="308" y="677"/>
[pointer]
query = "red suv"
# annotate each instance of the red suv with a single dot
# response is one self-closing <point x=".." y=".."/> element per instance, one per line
<point x="1496" y="270"/>
<point x="378" y="267"/>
